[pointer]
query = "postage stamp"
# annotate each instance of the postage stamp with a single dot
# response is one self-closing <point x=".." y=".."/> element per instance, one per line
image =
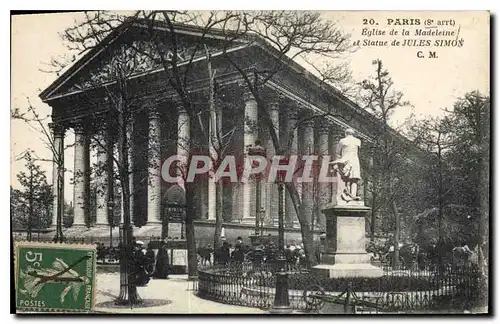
<point x="54" y="277"/>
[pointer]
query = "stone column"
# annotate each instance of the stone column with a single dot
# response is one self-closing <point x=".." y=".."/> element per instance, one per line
<point x="183" y="147"/>
<point x="101" y="179"/>
<point x="183" y="134"/>
<point x="154" y="168"/>
<point x="215" y="125"/>
<point x="249" y="138"/>
<point x="131" y="167"/>
<point x="57" y="170"/>
<point x="324" y="192"/>
<point x="308" y="186"/>
<point x="272" y="188"/>
<point x="81" y="179"/>
<point x="291" y="130"/>
<point x="110" y="181"/>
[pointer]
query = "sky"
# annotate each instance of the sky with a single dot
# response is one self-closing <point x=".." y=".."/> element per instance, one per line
<point x="429" y="84"/>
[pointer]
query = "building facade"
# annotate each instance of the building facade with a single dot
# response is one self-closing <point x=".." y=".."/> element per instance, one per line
<point x="308" y="116"/>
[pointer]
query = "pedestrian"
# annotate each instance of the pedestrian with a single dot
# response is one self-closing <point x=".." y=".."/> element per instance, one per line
<point x="222" y="254"/>
<point x="150" y="260"/>
<point x="239" y="242"/>
<point x="238" y="256"/>
<point x="258" y="255"/>
<point x="271" y="252"/>
<point x="139" y="264"/>
<point x="162" y="263"/>
<point x="288" y="254"/>
<point x="207" y="255"/>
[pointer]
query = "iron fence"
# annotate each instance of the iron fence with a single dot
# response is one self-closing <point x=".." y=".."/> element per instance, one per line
<point x="406" y="291"/>
<point x="83" y="239"/>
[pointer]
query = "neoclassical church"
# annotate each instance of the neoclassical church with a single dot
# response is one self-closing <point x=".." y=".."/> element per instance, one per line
<point x="82" y="99"/>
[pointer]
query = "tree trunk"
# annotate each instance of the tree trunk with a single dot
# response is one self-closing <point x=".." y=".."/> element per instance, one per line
<point x="128" y="292"/>
<point x="60" y="202"/>
<point x="305" y="230"/>
<point x="395" y="259"/>
<point x="373" y="215"/>
<point x="30" y="204"/>
<point x="190" y="233"/>
<point x="218" y="216"/>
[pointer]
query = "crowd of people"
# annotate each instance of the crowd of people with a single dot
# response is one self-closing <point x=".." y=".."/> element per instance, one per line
<point x="107" y="254"/>
<point x="425" y="256"/>
<point x="143" y="264"/>
<point x="239" y="252"/>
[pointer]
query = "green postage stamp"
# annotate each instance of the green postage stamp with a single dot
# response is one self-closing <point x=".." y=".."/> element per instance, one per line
<point x="52" y="277"/>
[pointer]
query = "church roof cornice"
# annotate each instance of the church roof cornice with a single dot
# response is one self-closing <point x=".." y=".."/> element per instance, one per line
<point x="243" y="41"/>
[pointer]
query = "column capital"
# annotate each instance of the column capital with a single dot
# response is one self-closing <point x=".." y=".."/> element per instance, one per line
<point x="81" y="125"/>
<point x="153" y="112"/>
<point x="57" y="129"/>
<point x="292" y="113"/>
<point x="337" y="130"/>
<point x="181" y="110"/>
<point x="178" y="105"/>
<point x="324" y="126"/>
<point x="79" y="129"/>
<point x="248" y="95"/>
<point x="275" y="104"/>
<point x="308" y="123"/>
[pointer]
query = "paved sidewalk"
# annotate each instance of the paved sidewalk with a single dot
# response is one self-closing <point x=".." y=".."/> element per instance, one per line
<point x="176" y="291"/>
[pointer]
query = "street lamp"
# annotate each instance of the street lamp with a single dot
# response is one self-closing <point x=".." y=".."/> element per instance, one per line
<point x="281" y="298"/>
<point x="262" y="214"/>
<point x="111" y="221"/>
<point x="128" y="289"/>
<point x="257" y="150"/>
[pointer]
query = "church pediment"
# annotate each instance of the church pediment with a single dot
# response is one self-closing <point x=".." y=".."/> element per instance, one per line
<point x="130" y="54"/>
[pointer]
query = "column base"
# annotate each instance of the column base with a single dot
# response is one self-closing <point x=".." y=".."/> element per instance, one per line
<point x="248" y="221"/>
<point x="101" y="224"/>
<point x="153" y="223"/>
<point x="79" y="225"/>
<point x="346" y="258"/>
<point x="280" y="310"/>
<point x="347" y="270"/>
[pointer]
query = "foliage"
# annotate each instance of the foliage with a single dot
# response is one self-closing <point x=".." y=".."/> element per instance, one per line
<point x="290" y="33"/>
<point x="459" y="226"/>
<point x="456" y="172"/>
<point x="391" y="155"/>
<point x="69" y="215"/>
<point x="32" y="204"/>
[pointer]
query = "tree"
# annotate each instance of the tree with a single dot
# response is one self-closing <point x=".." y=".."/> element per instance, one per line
<point x="291" y="34"/>
<point x="469" y="159"/>
<point x="457" y="174"/>
<point x="35" y="199"/>
<point x="435" y="137"/>
<point x="69" y="215"/>
<point x="378" y="96"/>
<point x="38" y="123"/>
<point x="17" y="212"/>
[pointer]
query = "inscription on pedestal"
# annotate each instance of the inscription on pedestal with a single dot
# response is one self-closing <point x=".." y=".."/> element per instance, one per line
<point x="351" y="235"/>
<point x="345" y="252"/>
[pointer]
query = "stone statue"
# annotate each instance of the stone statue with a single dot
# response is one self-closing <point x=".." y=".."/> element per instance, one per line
<point x="347" y="165"/>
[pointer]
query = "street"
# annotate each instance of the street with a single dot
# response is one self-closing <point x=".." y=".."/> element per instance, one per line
<point x="173" y="296"/>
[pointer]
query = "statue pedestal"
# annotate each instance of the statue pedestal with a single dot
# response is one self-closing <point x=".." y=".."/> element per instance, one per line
<point x="345" y="251"/>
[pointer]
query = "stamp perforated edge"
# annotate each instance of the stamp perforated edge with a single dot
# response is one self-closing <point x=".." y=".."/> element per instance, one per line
<point x="77" y="246"/>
